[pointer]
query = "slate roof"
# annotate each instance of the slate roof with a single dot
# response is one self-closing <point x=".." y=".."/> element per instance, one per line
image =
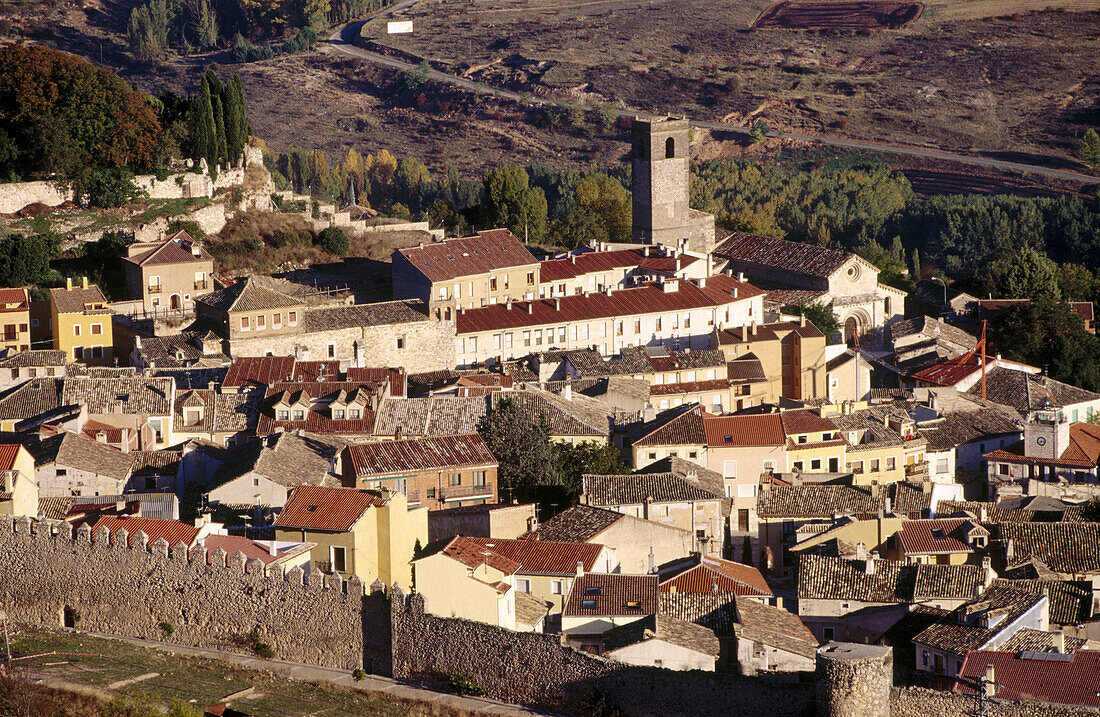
<point x="578" y="524"/>
<point x="29" y="399"/>
<point x="430" y="416"/>
<point x="418" y="454"/>
<point x="710" y="575"/>
<point x="177" y="350"/>
<point x="248" y="295"/>
<point x="176" y="249"/>
<point x="1029" y="392"/>
<point x="1028" y="677"/>
<point x="956" y="636"/>
<point x="681" y="633"/>
<point x="127" y="395"/>
<point x="645" y="299"/>
<point x="828" y="578"/>
<point x="544" y="557"/>
<point x="326" y="509"/>
<point x="1068" y="548"/>
<point x="74" y="300"/>
<point x="33" y="359"/>
<point x="490" y="250"/>
<point x="613" y="595"/>
<point x="774" y="626"/>
<point x="76" y="450"/>
<point x="933" y="328"/>
<point x="288" y="459"/>
<point x="637" y="488"/>
<point x="782" y="254"/>
<point x="329" y="318"/>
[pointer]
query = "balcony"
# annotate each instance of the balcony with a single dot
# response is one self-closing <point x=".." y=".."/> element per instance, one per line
<point x="153" y="289"/>
<point x="463" y="492"/>
<point x="201" y="285"/>
<point x="914" y="469"/>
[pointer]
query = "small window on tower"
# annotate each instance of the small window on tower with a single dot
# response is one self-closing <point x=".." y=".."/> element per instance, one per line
<point x="670" y="148"/>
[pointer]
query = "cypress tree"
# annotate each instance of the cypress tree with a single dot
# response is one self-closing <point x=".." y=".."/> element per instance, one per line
<point x="235" y="135"/>
<point x="204" y="135"/>
<point x="219" y="127"/>
<point x="244" y="129"/>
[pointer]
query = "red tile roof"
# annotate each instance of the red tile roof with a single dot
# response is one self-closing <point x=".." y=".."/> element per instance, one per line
<point x="255" y="371"/>
<point x="544" y="557"/>
<point x="597" y="594"/>
<point x="251" y="549"/>
<point x="725" y="575"/>
<point x="952" y="371"/>
<point x="316" y="371"/>
<point x="8" y="454"/>
<point x="174" y="531"/>
<point x="944" y="535"/>
<point x="803" y="421"/>
<point x="751" y="430"/>
<point x="1083" y="450"/>
<point x="1039" y="677"/>
<point x="176" y="249"/>
<point x="19" y="297"/>
<point x="469" y="256"/>
<point x="646" y="299"/>
<point x="595" y="261"/>
<point x="396" y="377"/>
<point x="473" y="555"/>
<point x="419" y="454"/>
<point x="332" y="509"/>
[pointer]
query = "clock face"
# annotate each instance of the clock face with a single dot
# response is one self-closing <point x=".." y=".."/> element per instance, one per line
<point x="1042" y="441"/>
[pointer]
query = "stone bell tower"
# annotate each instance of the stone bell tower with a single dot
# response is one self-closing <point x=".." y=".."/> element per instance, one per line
<point x="660" y="158"/>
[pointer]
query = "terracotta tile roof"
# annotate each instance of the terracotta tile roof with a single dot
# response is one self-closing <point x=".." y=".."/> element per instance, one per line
<point x="327" y="509"/>
<point x="1068" y="548"/>
<point x="818" y="501"/>
<point x="33" y="359"/>
<point x="823" y="577"/>
<point x="708" y="480"/>
<point x="1035" y="678"/>
<point x="419" y="454"/>
<point x="1029" y="392"/>
<point x="956" y="633"/>
<point x="932" y="328"/>
<point x="682" y="425"/>
<point x="248" y="295"/>
<point x="717" y="575"/>
<point x="954" y="428"/>
<point x="183" y="349"/>
<point x="636" y="488"/>
<point x="318" y="418"/>
<point x="732" y="335"/>
<point x="681" y="633"/>
<point x="469" y="256"/>
<point x="782" y="254"/>
<point x="762" y="623"/>
<point x="54" y="507"/>
<point x="396" y="377"/>
<point x="938" y="537"/>
<point x="14" y="300"/>
<point x="764" y="429"/>
<point x="993" y="512"/>
<point x="75" y="450"/>
<point x="77" y="300"/>
<point x="803" y="421"/>
<point x="255" y="550"/>
<point x="588" y="262"/>
<point x="578" y="524"/>
<point x="746" y="369"/>
<point x="174" y="531"/>
<point x="1070" y="600"/>
<point x="8" y="453"/>
<point x="176" y="249"/>
<point x="316" y="371"/>
<point x="646" y="299"/>
<point x="473" y="555"/>
<point x="250" y="371"/>
<point x="598" y="594"/>
<point x="715" y="611"/>
<point x="30" y="399"/>
<point x="1028" y="639"/>
<point x="544" y="557"/>
<point x="127" y="394"/>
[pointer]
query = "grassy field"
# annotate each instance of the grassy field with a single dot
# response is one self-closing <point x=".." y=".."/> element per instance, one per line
<point x="97" y="663"/>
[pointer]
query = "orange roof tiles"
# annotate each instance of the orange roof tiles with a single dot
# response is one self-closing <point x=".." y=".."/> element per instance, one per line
<point x="173" y="531"/>
<point x="930" y="537"/>
<point x="752" y="430"/>
<point x="473" y="555"/>
<point x="252" y="371"/>
<point x="1063" y="679"/>
<point x="594" y="261"/>
<point x="717" y="575"/>
<point x="544" y="557"/>
<point x="469" y="256"/>
<point x="176" y="249"/>
<point x="19" y="298"/>
<point x="597" y="594"/>
<point x="8" y="453"/>
<point x="419" y="454"/>
<point x="331" y="509"/>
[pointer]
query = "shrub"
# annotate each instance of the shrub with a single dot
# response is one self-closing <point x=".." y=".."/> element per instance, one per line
<point x="334" y="241"/>
<point x="257" y="645"/>
<point x="186" y="225"/>
<point x="167" y="629"/>
<point x="759" y="131"/>
<point x="597" y="704"/>
<point x="305" y="237"/>
<point x="109" y="187"/>
<point x="358" y="674"/>
<point x="462" y="685"/>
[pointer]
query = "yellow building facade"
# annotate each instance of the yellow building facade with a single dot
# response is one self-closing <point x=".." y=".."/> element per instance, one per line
<point x="80" y="323"/>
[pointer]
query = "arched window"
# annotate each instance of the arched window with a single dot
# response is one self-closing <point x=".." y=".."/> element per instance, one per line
<point x="670" y="148"/>
<point x="886" y="305"/>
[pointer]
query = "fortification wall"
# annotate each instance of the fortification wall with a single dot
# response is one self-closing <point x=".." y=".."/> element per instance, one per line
<point x="536" y="670"/>
<point x="16" y="195"/>
<point x="918" y="702"/>
<point x="211" y="601"/>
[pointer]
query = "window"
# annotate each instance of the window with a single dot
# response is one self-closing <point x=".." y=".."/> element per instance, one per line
<point x="244" y="323"/>
<point x="454" y="479"/>
<point x="458" y="291"/>
<point x="78" y="353"/>
<point x="829" y="634"/>
<point x="442" y="293"/>
<point x="1003" y="469"/>
<point x="857" y="467"/>
<point x="693" y="454"/>
<point x="479" y="478"/>
<point x="874" y="465"/>
<point x="62" y="472"/>
<point x="637" y="326"/>
<point x="97" y="352"/>
<point x="538" y="337"/>
<point x="658" y="323"/>
<point x="530" y="278"/>
<point x="255" y="482"/>
<point x="797" y="466"/>
<point x="293" y="318"/>
<point x="815" y="464"/>
<point x="50" y="371"/>
<point x="353" y="414"/>
<point x="670" y="148"/>
<point x="261" y="322"/>
<point x="282" y="415"/>
<point x="555" y="587"/>
<point x="339" y="559"/>
<point x="400" y="343"/>
<point x="473" y="344"/>
<point x="154" y="284"/>
<point x="803" y="439"/>
<point x="492" y="283"/>
<point x="338" y="414"/>
<point x="299" y="414"/>
<point x="34" y="323"/>
<point x="729" y="469"/>
<point x="332" y="350"/>
<point x="431" y="492"/>
<point x="526" y="338"/>
<point x="891" y="463"/>
<point x="76" y="329"/>
<point x="276" y="321"/>
<point x="523" y="585"/>
<point x="924" y="658"/>
<point x="941" y="465"/>
<point x="653" y="455"/>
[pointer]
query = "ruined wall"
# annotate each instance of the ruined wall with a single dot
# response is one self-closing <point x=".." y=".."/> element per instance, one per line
<point x="16" y="195"/>
<point x="534" y="669"/>
<point x="209" y="600"/>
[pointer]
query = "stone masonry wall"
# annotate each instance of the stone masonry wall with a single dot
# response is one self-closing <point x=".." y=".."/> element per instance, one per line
<point x="211" y="601"/>
<point x="918" y="702"/>
<point x="536" y="670"/>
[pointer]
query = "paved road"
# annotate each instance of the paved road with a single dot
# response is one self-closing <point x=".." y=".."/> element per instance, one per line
<point x="342" y="41"/>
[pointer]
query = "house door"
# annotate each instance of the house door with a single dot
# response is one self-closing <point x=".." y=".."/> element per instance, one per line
<point x="743" y="520"/>
<point x="937" y="664"/>
<point x="176" y="302"/>
<point x="834" y="465"/>
<point x="851" y="330"/>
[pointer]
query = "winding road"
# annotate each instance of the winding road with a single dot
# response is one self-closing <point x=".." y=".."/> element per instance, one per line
<point x="342" y="41"/>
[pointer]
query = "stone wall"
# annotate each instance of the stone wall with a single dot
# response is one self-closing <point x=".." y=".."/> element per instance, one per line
<point x="854" y="680"/>
<point x="918" y="702"/>
<point x="211" y="601"/>
<point x="16" y="195"/>
<point x="536" y="670"/>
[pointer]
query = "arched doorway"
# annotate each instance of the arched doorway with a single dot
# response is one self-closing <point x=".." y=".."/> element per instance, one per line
<point x="175" y="302"/>
<point x="851" y="330"/>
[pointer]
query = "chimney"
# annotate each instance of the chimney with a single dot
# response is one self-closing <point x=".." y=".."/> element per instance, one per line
<point x="137" y="342"/>
<point x="779" y="601"/>
<point x="573" y="258"/>
<point x="508" y="303"/>
<point x="83" y="282"/>
<point x="608" y="291"/>
<point x="652" y="561"/>
<point x="753" y="327"/>
<point x="1010" y="553"/>
<point x="68" y="283"/>
<point x="861" y="551"/>
<point x="740" y="276"/>
<point x="733" y="292"/>
<point x="532" y="524"/>
<point x="869" y="564"/>
<point x="557" y="304"/>
<point x="580" y="569"/>
<point x="120" y="506"/>
<point x="530" y="307"/>
<point x="1060" y="641"/>
<point x="802" y="320"/>
<point x="982" y="515"/>
<point x="703" y="282"/>
<point x="272" y="549"/>
<point x="567" y="392"/>
<point x="990" y="682"/>
<point x="678" y="264"/>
